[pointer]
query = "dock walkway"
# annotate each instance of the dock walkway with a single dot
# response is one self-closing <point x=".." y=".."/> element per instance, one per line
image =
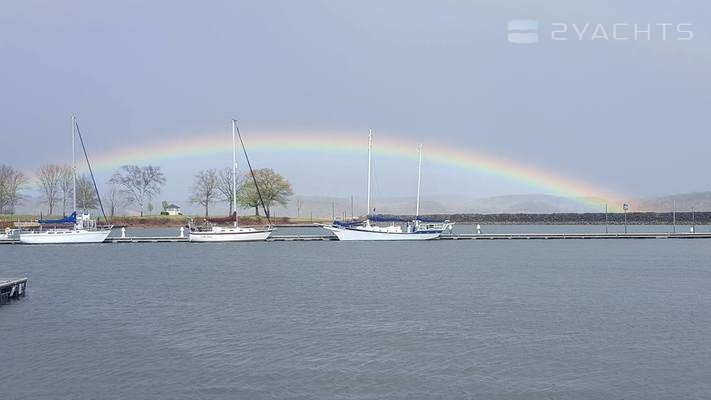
<point x="559" y="236"/>
<point x="460" y="236"/>
<point x="12" y="288"/>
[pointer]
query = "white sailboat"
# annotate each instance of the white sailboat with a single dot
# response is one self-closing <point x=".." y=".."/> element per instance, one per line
<point x="7" y="234"/>
<point x="417" y="229"/>
<point x="235" y="233"/>
<point x="84" y="230"/>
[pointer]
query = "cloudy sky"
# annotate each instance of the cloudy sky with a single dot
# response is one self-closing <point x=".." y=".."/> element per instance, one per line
<point x="628" y="116"/>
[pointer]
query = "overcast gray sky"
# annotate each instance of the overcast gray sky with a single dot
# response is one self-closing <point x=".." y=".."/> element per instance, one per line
<point x="630" y="116"/>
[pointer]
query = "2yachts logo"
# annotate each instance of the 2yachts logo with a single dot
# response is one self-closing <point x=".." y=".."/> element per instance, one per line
<point x="527" y="31"/>
<point x="523" y="31"/>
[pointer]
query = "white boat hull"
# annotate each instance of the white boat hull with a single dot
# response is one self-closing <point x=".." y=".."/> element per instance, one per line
<point x="64" y="236"/>
<point x="362" y="234"/>
<point x="242" y="235"/>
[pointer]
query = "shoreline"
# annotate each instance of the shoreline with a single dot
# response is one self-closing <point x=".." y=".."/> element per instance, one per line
<point x="637" y="218"/>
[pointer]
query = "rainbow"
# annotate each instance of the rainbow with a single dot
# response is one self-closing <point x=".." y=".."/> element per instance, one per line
<point x="197" y="145"/>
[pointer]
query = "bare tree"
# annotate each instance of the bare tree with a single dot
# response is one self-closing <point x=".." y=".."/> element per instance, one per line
<point x="12" y="184"/>
<point x="6" y="172"/>
<point x="50" y="177"/>
<point x="205" y="190"/>
<point x="86" y="194"/>
<point x="225" y="184"/>
<point x="139" y="184"/>
<point x="65" y="186"/>
<point x="114" y="199"/>
<point x="18" y="184"/>
<point x="274" y="188"/>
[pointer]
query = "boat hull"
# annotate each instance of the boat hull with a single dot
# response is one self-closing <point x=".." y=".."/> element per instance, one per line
<point x="64" y="237"/>
<point x="362" y="234"/>
<point x="243" y="236"/>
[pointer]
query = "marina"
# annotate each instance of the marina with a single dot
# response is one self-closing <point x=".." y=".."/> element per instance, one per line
<point x="12" y="289"/>
<point x="520" y="188"/>
<point x="459" y="236"/>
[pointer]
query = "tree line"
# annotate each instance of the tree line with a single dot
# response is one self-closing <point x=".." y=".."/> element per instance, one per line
<point x="212" y="186"/>
<point x="137" y="186"/>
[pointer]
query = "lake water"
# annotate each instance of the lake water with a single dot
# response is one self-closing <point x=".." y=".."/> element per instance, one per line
<point x="584" y="319"/>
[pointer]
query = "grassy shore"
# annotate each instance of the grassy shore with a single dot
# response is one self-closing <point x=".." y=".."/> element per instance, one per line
<point x="170" y="221"/>
<point x="157" y="221"/>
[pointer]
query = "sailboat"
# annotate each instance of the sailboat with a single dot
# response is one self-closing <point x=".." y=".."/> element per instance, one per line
<point x="7" y="234"/>
<point x="417" y="229"/>
<point x="82" y="228"/>
<point x="234" y="233"/>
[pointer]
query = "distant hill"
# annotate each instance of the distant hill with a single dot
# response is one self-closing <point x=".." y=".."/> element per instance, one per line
<point x="533" y="204"/>
<point x="509" y="204"/>
<point x="699" y="201"/>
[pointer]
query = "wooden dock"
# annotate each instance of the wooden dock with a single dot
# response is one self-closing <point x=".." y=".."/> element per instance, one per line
<point x="11" y="289"/>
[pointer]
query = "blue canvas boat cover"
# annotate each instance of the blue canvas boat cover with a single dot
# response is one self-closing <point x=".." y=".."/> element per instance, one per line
<point x="72" y="219"/>
<point x="425" y="219"/>
<point x="388" y="218"/>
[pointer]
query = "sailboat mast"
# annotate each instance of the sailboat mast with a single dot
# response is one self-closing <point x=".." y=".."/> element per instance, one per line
<point x="370" y="150"/>
<point x="234" y="173"/>
<point x="74" y="168"/>
<point x="419" y="179"/>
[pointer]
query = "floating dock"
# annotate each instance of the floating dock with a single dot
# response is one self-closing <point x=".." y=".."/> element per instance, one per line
<point x="178" y="239"/>
<point x="460" y="236"/>
<point x="11" y="289"/>
<point x="559" y="236"/>
<point x="300" y="238"/>
<point x="146" y="239"/>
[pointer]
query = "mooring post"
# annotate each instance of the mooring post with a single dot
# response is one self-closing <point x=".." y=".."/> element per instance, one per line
<point x="123" y="233"/>
<point x="182" y="231"/>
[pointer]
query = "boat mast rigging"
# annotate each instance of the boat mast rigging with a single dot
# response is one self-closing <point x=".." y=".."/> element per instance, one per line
<point x="251" y="171"/>
<point x="370" y="150"/>
<point x="419" y="179"/>
<point x="234" y="173"/>
<point x="74" y="168"/>
<point x="91" y="172"/>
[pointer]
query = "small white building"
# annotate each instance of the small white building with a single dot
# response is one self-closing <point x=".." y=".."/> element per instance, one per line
<point x="173" y="210"/>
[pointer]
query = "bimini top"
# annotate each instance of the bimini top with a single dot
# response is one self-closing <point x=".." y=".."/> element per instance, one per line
<point x="72" y="219"/>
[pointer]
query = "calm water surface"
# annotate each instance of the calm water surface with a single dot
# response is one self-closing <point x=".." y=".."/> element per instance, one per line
<point x="332" y="320"/>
